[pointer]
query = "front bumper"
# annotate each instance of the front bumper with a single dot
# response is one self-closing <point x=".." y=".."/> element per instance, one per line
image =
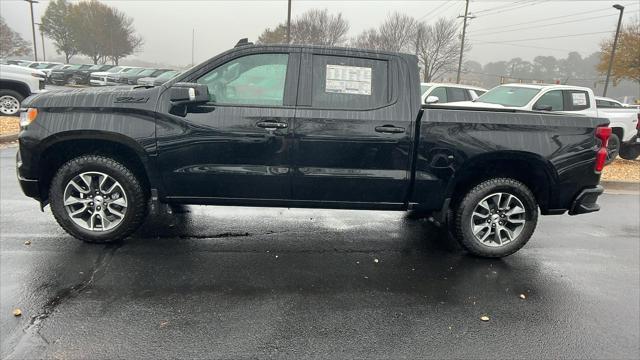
<point x="30" y="187"/>
<point x="97" y="82"/>
<point x="586" y="201"/>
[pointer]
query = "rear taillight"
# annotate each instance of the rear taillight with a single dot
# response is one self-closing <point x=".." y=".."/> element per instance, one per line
<point x="638" y="123"/>
<point x="603" y="133"/>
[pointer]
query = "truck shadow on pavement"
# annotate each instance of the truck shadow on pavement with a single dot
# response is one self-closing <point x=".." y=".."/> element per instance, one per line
<point x="246" y="251"/>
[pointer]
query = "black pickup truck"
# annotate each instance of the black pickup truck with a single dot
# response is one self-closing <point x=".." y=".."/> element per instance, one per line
<point x="303" y="126"/>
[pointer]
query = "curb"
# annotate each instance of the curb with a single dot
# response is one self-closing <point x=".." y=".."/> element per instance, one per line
<point x="5" y="139"/>
<point x="621" y="185"/>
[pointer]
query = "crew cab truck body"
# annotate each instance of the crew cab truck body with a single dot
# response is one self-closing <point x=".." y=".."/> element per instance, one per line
<point x="568" y="99"/>
<point x="298" y="126"/>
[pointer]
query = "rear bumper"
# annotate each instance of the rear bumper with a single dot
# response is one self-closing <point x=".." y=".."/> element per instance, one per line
<point x="586" y="201"/>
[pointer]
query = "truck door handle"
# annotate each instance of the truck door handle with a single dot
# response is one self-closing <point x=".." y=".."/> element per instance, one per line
<point x="389" y="129"/>
<point x="271" y="125"/>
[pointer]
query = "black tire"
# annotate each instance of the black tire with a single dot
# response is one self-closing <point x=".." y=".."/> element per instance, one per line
<point x="137" y="206"/>
<point x="629" y="151"/>
<point x="613" y="148"/>
<point x="13" y="94"/>
<point x="464" y="210"/>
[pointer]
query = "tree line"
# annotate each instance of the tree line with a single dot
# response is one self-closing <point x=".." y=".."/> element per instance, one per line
<point x="436" y="45"/>
<point x="90" y="28"/>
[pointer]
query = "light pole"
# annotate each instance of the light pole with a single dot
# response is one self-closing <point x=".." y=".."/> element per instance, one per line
<point x="613" y="49"/>
<point x="33" y="29"/>
<point x="289" y="22"/>
<point x="44" y="55"/>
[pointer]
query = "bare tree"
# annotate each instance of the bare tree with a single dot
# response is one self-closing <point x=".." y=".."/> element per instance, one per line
<point x="277" y="35"/>
<point x="397" y="33"/>
<point x="314" y="27"/>
<point x="56" y="25"/>
<point x="437" y="47"/>
<point x="102" y="33"/>
<point x="318" y="27"/>
<point x="87" y="22"/>
<point x="120" y="38"/>
<point x="11" y="43"/>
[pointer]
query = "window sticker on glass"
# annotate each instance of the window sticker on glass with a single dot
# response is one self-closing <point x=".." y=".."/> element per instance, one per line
<point x="348" y="80"/>
<point x="579" y="99"/>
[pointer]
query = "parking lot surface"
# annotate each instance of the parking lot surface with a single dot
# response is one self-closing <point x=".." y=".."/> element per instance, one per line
<point x="231" y="282"/>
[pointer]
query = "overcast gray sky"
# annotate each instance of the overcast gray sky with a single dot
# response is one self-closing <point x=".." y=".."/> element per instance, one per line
<point x="500" y="31"/>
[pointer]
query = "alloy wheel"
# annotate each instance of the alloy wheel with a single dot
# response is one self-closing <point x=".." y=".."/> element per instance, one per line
<point x="498" y="219"/>
<point x="95" y="201"/>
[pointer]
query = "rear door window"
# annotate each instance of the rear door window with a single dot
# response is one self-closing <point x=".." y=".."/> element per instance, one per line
<point x="349" y="83"/>
<point x="457" y="94"/>
<point x="576" y="100"/>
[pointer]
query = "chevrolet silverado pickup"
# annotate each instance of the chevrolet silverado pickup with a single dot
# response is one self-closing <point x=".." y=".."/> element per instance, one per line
<point x="305" y="127"/>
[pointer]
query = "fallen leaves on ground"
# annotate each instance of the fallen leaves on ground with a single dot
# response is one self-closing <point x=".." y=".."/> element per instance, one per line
<point x="17" y="312"/>
<point x="484" y="318"/>
<point x="9" y="125"/>
<point x="622" y="170"/>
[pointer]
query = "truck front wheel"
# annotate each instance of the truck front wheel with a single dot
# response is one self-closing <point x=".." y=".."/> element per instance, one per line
<point x="97" y="199"/>
<point x="496" y="218"/>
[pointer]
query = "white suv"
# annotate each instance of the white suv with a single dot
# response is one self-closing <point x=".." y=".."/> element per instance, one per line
<point x="16" y="83"/>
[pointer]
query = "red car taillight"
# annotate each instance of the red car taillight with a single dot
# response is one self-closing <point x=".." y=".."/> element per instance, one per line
<point x="603" y="133"/>
<point x="638" y="123"/>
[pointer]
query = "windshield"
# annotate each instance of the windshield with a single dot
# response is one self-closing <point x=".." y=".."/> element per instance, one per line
<point x="167" y="75"/>
<point x="510" y="96"/>
<point x="147" y="72"/>
<point x="135" y="71"/>
<point x="73" y="67"/>
<point x="424" y="88"/>
<point x="96" y="67"/>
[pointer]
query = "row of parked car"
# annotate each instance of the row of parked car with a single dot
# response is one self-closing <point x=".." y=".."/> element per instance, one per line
<point x="98" y="75"/>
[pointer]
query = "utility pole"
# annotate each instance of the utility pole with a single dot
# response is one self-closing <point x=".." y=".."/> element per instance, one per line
<point x="193" y="41"/>
<point x="44" y="55"/>
<point x="289" y="22"/>
<point x="33" y="29"/>
<point x="613" y="49"/>
<point x="464" y="32"/>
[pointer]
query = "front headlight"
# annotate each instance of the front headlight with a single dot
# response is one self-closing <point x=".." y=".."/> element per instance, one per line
<point x="28" y="116"/>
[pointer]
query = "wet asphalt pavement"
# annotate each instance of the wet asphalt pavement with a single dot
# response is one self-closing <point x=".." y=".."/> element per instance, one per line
<point x="242" y="282"/>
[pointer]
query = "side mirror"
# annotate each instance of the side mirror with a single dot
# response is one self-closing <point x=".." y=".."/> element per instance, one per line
<point x="431" y="99"/>
<point x="542" y="107"/>
<point x="188" y="93"/>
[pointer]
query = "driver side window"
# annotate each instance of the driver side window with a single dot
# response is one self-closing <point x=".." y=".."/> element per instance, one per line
<point x="250" y="80"/>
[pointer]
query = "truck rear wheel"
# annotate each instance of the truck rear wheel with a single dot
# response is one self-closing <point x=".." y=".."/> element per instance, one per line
<point x="613" y="148"/>
<point x="630" y="151"/>
<point x="496" y="218"/>
<point x="97" y="199"/>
